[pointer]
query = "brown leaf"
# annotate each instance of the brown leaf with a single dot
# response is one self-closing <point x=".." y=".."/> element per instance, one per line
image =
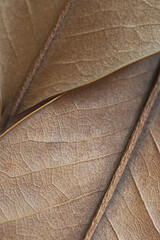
<point x="95" y="39"/>
<point x="56" y="165"/>
<point x="134" y="211"/>
<point x="79" y="163"/>
<point x="23" y="31"/>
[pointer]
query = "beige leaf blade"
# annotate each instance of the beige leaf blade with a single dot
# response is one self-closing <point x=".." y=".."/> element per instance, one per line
<point x="24" y="27"/>
<point x="95" y="39"/>
<point x="125" y="157"/>
<point x="134" y="211"/>
<point x="50" y="188"/>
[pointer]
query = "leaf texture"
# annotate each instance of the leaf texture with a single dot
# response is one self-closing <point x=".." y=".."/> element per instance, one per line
<point x="86" y="47"/>
<point x="96" y="38"/>
<point x="56" y="165"/>
<point x="79" y="163"/>
<point x="24" y="27"/>
<point x="133" y="212"/>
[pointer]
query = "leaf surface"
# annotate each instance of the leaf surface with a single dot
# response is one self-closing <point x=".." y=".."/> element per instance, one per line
<point x="92" y="39"/>
<point x="134" y="211"/>
<point x="79" y="163"/>
<point x="24" y="27"/>
<point x="95" y="39"/>
<point x="56" y="165"/>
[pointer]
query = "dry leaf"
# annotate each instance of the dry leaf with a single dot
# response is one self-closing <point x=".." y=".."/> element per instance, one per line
<point x="56" y="165"/>
<point x="85" y="166"/>
<point x="23" y="31"/>
<point x="134" y="210"/>
<point x="94" y="39"/>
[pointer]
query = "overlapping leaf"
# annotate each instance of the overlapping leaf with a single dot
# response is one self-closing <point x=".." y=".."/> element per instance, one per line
<point x="133" y="212"/>
<point x="94" y="39"/>
<point x="24" y="27"/>
<point x="56" y="165"/>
